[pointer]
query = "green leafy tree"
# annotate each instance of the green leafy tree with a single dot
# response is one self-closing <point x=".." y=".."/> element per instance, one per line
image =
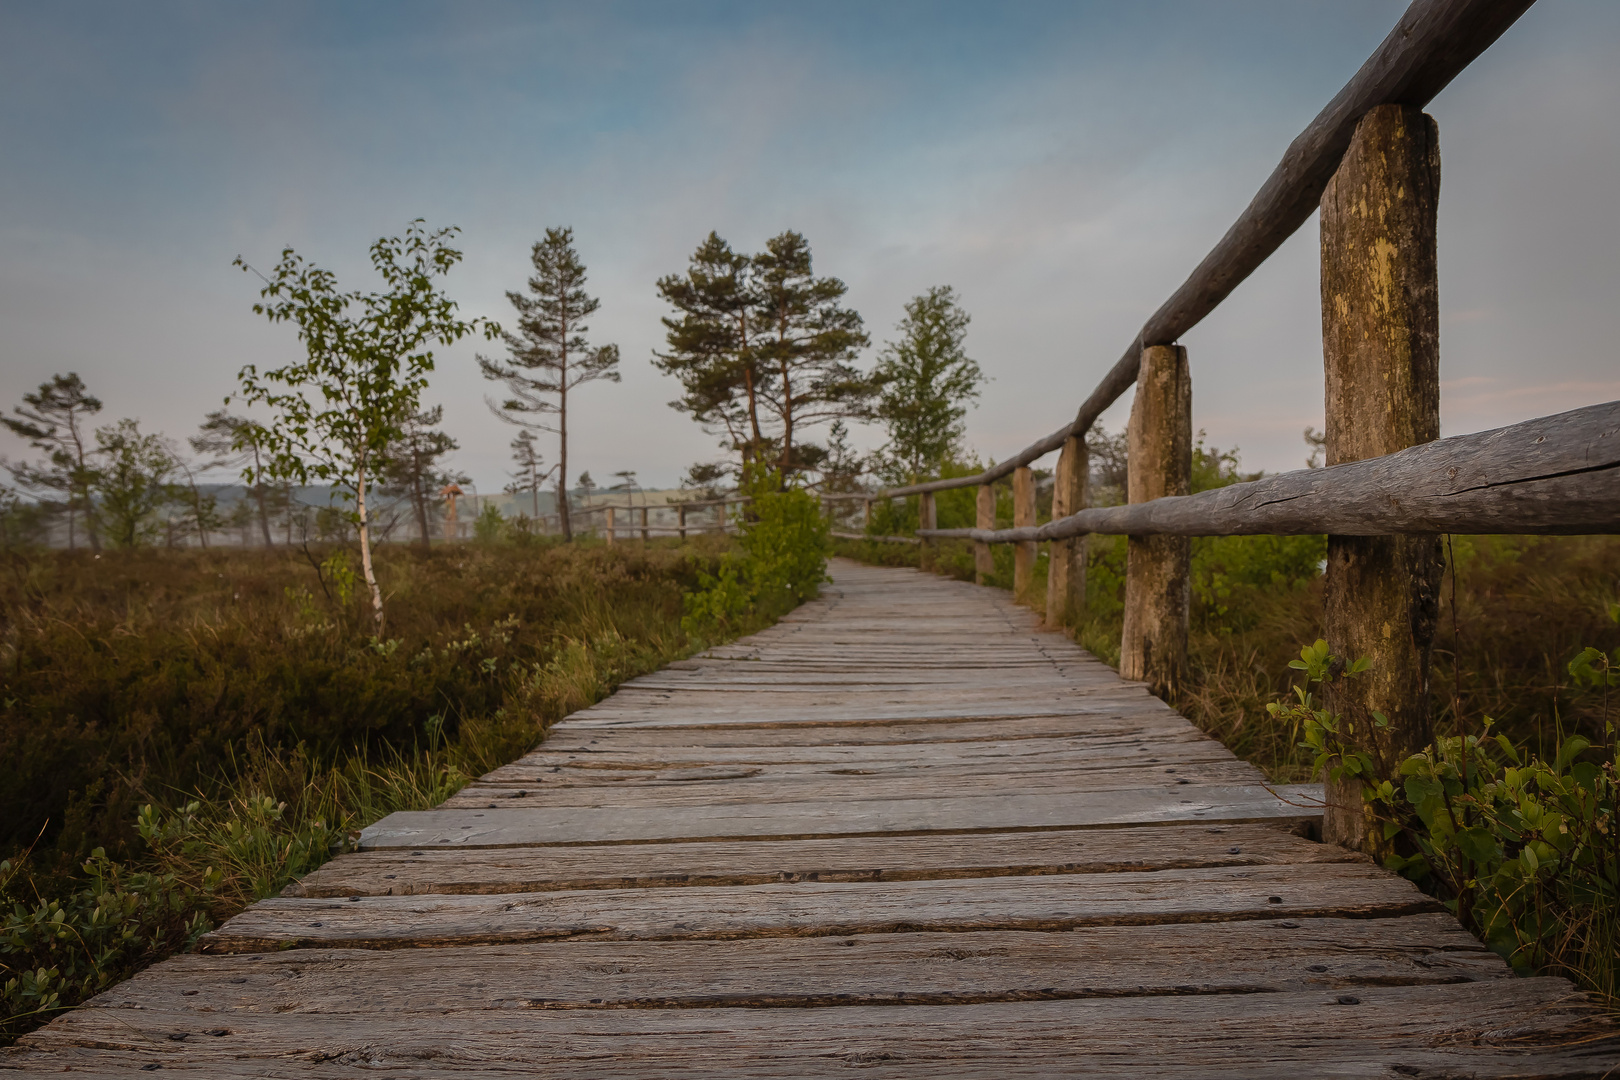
<point x="807" y="344"/>
<point x="236" y="442"/>
<point x="53" y="419"/>
<point x="710" y="345"/>
<point x="411" y="469"/>
<point x="550" y="354"/>
<point x="132" y="482"/>
<point x="366" y="362"/>
<point x="928" y="380"/>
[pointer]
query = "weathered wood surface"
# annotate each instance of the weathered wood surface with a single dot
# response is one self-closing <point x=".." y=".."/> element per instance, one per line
<point x="1381" y="362"/>
<point x="1552" y="475"/>
<point x="800" y="887"/>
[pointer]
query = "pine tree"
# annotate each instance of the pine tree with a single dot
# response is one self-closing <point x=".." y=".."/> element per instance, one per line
<point x="52" y="419"/>
<point x="927" y="381"/>
<point x="411" y="465"/>
<point x="807" y="344"/>
<point x="527" y="476"/>
<point x="550" y="354"/>
<point x="711" y="344"/>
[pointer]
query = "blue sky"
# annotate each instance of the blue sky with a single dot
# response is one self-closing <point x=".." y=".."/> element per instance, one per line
<point x="1064" y="166"/>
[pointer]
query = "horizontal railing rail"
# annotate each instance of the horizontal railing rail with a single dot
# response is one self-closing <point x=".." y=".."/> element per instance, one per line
<point x="1554" y="475"/>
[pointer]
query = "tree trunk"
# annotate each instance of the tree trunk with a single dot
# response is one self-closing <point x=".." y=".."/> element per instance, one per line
<point x="365" y="552"/>
<point x="1153" y="644"/>
<point x="419" y="501"/>
<point x="564" y="518"/>
<point x="1381" y="354"/>
<point x="1066" y="561"/>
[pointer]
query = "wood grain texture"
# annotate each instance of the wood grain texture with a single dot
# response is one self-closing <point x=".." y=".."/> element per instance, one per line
<point x="815" y="909"/>
<point x="1492" y="1028"/>
<point x="1381" y="359"/>
<point x="1158" y="598"/>
<point x="408" y="872"/>
<point x="1066" y="559"/>
<point x="1023" y="517"/>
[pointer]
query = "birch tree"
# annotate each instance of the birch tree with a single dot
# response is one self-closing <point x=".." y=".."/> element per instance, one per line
<point x="366" y="362"/>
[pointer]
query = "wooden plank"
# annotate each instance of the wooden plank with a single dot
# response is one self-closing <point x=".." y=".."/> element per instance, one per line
<point x="916" y="969"/>
<point x="843" y="817"/>
<point x="761" y="785"/>
<point x="1491" y="1028"/>
<point x="811" y="909"/>
<point x="409" y="872"/>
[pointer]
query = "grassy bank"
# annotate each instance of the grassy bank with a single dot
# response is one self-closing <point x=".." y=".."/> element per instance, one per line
<point x="185" y="731"/>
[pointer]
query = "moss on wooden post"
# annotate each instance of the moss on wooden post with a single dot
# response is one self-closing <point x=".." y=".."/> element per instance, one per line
<point x="1066" y="560"/>
<point x="1153" y="645"/>
<point x="1024" y="550"/>
<point x="1380" y="340"/>
<point x="984" y="564"/>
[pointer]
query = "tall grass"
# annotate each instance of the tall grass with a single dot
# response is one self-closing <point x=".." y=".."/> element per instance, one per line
<point x="183" y="732"/>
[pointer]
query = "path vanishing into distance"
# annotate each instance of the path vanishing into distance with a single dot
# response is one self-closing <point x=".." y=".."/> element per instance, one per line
<point x="903" y="832"/>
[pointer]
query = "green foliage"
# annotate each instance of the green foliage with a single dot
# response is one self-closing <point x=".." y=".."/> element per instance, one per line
<point x="131" y="482"/>
<point x="53" y="420"/>
<point x="927" y="379"/>
<point x="489" y="526"/>
<point x="784" y="545"/>
<point x="367" y="357"/>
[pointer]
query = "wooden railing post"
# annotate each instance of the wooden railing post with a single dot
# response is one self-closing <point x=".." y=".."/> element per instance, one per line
<point x="1153" y="646"/>
<point x="1023" y="514"/>
<point x="1380" y="340"/>
<point x="643" y="524"/>
<point x="680" y="519"/>
<point x="1066" y="559"/>
<point x="609" y="525"/>
<point x="984" y="563"/>
<point x="926" y="520"/>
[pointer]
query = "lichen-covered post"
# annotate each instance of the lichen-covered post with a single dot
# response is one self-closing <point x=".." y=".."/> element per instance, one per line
<point x="1153" y="646"/>
<point x="1066" y="559"/>
<point x="1381" y="354"/>
<point x="1024" y="550"/>
<point x="925" y="520"/>
<point x="984" y="564"/>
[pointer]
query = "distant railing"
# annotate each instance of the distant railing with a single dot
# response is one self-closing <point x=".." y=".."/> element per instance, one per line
<point x="1369" y="163"/>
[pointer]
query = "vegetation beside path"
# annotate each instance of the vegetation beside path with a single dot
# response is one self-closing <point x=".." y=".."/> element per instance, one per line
<point x="185" y="731"/>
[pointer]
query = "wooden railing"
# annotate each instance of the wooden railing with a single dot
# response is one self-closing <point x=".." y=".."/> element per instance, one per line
<point x="1370" y="164"/>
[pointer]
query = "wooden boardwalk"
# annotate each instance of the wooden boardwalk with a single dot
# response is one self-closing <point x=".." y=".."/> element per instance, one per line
<point x="902" y="833"/>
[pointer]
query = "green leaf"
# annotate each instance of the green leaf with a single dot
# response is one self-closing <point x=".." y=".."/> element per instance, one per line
<point x="1479" y="845"/>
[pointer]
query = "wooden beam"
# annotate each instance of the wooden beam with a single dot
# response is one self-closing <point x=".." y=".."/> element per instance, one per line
<point x="609" y="526"/>
<point x="984" y="563"/>
<point x="926" y="520"/>
<point x="1023" y="517"/>
<point x="1153" y="644"/>
<point x="1381" y="352"/>
<point x="1066" y="559"/>
<point x="1555" y="475"/>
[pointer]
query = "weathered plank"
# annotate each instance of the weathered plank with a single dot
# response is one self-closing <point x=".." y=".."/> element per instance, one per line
<point x="406" y="872"/>
<point x="906" y="968"/>
<point x="843" y="817"/>
<point x="812" y="909"/>
<point x="1491" y="1028"/>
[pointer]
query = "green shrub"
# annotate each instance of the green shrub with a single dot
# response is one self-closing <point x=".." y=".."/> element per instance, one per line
<point x="783" y="542"/>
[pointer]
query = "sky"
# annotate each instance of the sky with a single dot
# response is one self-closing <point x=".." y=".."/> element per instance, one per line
<point x="1063" y="166"/>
